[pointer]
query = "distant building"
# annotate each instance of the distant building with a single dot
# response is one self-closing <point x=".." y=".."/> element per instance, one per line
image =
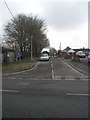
<point x="85" y="50"/>
<point x="66" y="49"/>
<point x="64" y="53"/>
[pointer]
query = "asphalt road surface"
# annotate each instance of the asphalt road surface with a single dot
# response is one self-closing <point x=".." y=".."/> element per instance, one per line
<point x="52" y="89"/>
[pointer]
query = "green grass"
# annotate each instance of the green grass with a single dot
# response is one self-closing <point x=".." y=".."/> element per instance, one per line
<point x="25" y="64"/>
<point x="0" y="67"/>
<point x="16" y="67"/>
<point x="29" y="59"/>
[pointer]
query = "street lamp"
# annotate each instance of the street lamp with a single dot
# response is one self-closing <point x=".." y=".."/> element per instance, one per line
<point x="31" y="46"/>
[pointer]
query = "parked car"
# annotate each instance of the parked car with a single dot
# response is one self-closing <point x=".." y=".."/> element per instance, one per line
<point x="44" y="57"/>
<point x="81" y="54"/>
<point x="89" y="58"/>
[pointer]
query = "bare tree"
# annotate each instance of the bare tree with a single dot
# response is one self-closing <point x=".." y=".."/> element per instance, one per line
<point x="19" y="31"/>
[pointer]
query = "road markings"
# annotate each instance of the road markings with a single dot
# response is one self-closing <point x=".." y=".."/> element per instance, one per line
<point x="22" y="83"/>
<point x="52" y="71"/>
<point x="8" y="91"/>
<point x="77" y="94"/>
<point x="71" y="78"/>
<point x="52" y="74"/>
<point x="57" y="77"/>
<point x="13" y="78"/>
<point x="72" y="68"/>
<point x="51" y="65"/>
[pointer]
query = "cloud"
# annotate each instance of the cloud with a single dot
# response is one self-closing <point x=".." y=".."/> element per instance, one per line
<point x="64" y="19"/>
<point x="60" y="15"/>
<point x="19" y="7"/>
<point x="75" y="38"/>
<point x="89" y="25"/>
<point x="65" y="15"/>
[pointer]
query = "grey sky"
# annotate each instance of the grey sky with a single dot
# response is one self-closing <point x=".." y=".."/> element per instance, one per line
<point x="67" y="20"/>
<point x="65" y="15"/>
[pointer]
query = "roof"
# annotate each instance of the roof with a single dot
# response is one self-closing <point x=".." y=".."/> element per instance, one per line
<point x="71" y="51"/>
<point x="45" y="49"/>
<point x="66" y="49"/>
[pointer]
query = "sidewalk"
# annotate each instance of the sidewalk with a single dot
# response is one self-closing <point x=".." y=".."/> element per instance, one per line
<point x="78" y="66"/>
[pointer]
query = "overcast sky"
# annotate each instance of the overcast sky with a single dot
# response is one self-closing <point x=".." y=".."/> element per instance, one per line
<point x="66" y="20"/>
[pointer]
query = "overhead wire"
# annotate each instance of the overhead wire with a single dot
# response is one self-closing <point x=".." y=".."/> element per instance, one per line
<point x="9" y="9"/>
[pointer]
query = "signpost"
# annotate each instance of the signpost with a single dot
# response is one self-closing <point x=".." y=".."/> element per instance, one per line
<point x="18" y="55"/>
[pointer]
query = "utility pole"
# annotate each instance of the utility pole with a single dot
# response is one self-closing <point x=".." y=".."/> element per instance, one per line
<point x="60" y="46"/>
<point x="31" y="46"/>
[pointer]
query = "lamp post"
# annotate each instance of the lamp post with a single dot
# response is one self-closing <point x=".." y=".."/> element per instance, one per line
<point x="31" y="46"/>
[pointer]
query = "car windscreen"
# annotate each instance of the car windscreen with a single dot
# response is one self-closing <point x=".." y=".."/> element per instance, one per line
<point x="44" y="55"/>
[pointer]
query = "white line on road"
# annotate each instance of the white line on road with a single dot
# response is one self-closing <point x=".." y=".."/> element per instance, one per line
<point x="80" y="78"/>
<point x="52" y="74"/>
<point x="77" y="94"/>
<point x="51" y="65"/>
<point x="52" y="70"/>
<point x="13" y="78"/>
<point x="8" y="91"/>
<point x="22" y="83"/>
<point x="69" y="78"/>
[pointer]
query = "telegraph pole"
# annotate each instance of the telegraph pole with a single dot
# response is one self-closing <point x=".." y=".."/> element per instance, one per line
<point x="60" y="46"/>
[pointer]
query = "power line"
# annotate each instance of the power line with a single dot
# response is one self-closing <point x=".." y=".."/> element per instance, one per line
<point x="9" y="9"/>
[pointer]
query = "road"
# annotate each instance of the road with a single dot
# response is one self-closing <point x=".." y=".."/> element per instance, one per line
<point x="52" y="89"/>
<point x="82" y="66"/>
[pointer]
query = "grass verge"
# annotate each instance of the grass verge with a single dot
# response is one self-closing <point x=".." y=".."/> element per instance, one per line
<point x="25" y="64"/>
<point x="16" y="67"/>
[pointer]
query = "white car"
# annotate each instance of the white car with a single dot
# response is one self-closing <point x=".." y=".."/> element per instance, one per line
<point x="89" y="58"/>
<point x="44" y="57"/>
<point x="81" y="54"/>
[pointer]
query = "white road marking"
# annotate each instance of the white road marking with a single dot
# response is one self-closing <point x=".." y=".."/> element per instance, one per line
<point x="51" y="65"/>
<point x="52" y="70"/>
<point x="72" y="68"/>
<point x="81" y="78"/>
<point x="13" y="78"/>
<point x="69" y="78"/>
<point x="22" y="83"/>
<point x="20" y="78"/>
<point x="52" y="74"/>
<point x="8" y="91"/>
<point x="57" y="77"/>
<point x="77" y="94"/>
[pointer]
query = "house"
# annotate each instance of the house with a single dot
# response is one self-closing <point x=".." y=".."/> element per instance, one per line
<point x="64" y="53"/>
<point x="71" y="53"/>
